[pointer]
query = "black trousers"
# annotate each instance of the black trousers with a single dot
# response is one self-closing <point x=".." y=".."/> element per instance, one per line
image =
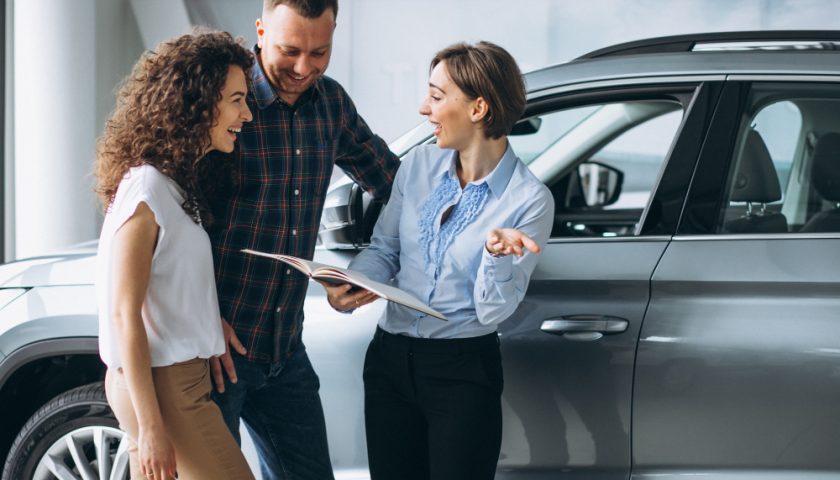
<point x="433" y="407"/>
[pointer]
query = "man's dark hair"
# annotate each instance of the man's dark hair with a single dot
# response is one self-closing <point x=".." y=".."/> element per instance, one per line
<point x="488" y="71"/>
<point x="306" y="8"/>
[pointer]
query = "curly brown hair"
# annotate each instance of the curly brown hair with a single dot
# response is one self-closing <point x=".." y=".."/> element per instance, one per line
<point x="164" y="113"/>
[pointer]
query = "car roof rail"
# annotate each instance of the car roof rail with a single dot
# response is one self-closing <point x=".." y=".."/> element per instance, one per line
<point x="747" y="40"/>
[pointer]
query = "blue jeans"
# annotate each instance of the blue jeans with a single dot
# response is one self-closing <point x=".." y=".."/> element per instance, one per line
<point x="282" y="411"/>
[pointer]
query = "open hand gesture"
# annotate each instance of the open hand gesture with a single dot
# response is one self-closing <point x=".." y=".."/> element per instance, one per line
<point x="506" y="241"/>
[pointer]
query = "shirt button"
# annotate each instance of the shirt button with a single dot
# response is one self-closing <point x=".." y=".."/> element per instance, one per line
<point x="278" y="310"/>
<point x="297" y="151"/>
<point x="297" y="192"/>
<point x="294" y="232"/>
<point x="288" y="271"/>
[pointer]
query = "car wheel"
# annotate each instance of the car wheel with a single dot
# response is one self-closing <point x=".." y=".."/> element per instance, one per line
<point x="75" y="435"/>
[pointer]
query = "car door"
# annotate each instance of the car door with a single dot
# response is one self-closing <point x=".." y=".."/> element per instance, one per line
<point x="569" y="349"/>
<point x="738" y="364"/>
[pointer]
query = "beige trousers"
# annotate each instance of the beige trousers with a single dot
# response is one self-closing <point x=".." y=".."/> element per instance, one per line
<point x="204" y="447"/>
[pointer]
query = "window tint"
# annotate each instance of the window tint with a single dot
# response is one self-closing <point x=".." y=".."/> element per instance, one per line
<point x="601" y="161"/>
<point x="639" y="153"/>
<point x="550" y="128"/>
<point x="785" y="174"/>
<point x="780" y="124"/>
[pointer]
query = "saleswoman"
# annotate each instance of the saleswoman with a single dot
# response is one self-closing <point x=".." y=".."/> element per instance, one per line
<point x="461" y="231"/>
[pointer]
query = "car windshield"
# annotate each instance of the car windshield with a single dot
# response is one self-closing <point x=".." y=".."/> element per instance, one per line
<point x="528" y="143"/>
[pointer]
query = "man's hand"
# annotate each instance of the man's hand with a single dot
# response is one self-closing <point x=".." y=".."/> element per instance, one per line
<point x="225" y="360"/>
<point x="506" y="241"/>
<point x="157" y="456"/>
<point x="342" y="299"/>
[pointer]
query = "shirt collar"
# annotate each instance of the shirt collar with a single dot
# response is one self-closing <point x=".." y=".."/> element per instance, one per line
<point x="264" y="93"/>
<point x="497" y="180"/>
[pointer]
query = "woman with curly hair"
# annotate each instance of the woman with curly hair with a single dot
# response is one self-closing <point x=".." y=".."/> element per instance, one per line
<point x="161" y="159"/>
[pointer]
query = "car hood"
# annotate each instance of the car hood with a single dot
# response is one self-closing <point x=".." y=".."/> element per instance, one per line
<point x="72" y="266"/>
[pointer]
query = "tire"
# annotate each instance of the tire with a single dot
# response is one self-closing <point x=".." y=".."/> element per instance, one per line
<point x="74" y="435"/>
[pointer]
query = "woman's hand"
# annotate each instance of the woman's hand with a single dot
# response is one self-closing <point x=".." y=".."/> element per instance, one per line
<point x="157" y="456"/>
<point x="342" y="299"/>
<point x="505" y="241"/>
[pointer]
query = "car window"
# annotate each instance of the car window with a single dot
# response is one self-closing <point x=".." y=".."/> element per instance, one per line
<point x="601" y="162"/>
<point x="785" y="174"/>
<point x="550" y="128"/>
<point x="639" y="153"/>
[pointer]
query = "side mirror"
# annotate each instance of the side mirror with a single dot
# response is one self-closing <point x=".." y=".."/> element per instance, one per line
<point x="600" y="185"/>
<point x="527" y="126"/>
<point x="348" y="218"/>
<point x="342" y="207"/>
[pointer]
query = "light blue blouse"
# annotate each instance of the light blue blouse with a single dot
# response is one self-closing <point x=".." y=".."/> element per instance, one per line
<point x="447" y="266"/>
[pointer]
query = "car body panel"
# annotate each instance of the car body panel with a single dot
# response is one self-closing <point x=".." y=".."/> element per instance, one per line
<point x="48" y="312"/>
<point x="45" y="348"/>
<point x="738" y="367"/>
<point x="567" y="402"/>
<point x="684" y="64"/>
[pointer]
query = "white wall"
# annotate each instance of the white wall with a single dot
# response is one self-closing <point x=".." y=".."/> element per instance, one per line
<point x="54" y="122"/>
<point x="67" y="58"/>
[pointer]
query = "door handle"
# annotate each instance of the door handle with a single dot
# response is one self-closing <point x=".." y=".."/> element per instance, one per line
<point x="585" y="327"/>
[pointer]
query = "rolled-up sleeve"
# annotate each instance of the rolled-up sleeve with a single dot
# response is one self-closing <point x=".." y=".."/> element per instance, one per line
<point x="501" y="282"/>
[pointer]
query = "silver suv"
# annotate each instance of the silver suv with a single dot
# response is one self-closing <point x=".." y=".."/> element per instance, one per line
<point x="684" y="319"/>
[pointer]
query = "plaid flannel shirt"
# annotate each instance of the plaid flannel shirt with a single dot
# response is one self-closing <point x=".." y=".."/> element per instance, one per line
<point x="284" y="161"/>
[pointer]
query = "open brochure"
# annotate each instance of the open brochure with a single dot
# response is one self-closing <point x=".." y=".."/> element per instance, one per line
<point x="336" y="275"/>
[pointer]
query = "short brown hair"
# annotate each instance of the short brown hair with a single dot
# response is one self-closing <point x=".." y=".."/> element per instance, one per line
<point x="306" y="8"/>
<point x="488" y="71"/>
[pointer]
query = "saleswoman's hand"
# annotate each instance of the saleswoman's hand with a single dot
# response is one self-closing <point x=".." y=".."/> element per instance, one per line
<point x="343" y="299"/>
<point x="506" y="241"/>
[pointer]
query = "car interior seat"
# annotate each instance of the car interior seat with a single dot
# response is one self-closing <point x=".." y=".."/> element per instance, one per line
<point x="825" y="176"/>
<point x="756" y="181"/>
